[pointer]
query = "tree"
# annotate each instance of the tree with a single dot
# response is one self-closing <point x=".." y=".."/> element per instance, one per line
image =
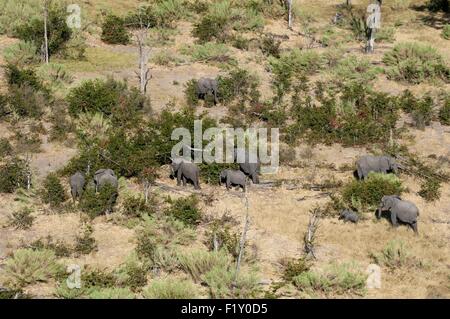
<point x="144" y="52"/>
<point x="289" y="5"/>
<point x="46" y="55"/>
<point x="373" y="23"/>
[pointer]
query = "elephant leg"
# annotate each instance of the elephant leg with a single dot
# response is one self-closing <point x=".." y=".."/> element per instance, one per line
<point x="228" y="184"/>
<point x="184" y="181"/>
<point x="414" y="227"/>
<point x="243" y="187"/>
<point x="255" y="178"/>
<point x="394" y="219"/>
<point x="179" y="175"/>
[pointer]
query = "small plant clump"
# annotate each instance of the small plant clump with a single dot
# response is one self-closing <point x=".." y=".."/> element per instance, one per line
<point x="22" y="219"/>
<point x="396" y="255"/>
<point x="186" y="210"/>
<point x="53" y="191"/>
<point x="13" y="175"/>
<point x="114" y="31"/>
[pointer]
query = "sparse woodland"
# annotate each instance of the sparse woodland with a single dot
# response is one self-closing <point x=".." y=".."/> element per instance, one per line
<point x="108" y="95"/>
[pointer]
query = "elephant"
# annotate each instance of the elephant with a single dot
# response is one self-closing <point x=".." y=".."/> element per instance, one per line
<point x="401" y="210"/>
<point x="77" y="182"/>
<point x="185" y="171"/>
<point x="250" y="169"/>
<point x="103" y="177"/>
<point x="233" y="177"/>
<point x="349" y="216"/>
<point x="377" y="164"/>
<point x="207" y="86"/>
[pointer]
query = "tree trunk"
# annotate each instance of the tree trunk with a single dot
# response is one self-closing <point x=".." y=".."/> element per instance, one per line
<point x="46" y="53"/>
<point x="289" y="2"/>
<point x="243" y="239"/>
<point x="144" y="71"/>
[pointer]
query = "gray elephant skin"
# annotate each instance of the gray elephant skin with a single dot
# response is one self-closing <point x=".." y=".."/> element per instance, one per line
<point x="376" y="164"/>
<point x="233" y="178"/>
<point x="103" y="177"/>
<point x="247" y="165"/>
<point x="185" y="171"/>
<point x="400" y="210"/>
<point x="349" y="216"/>
<point x="77" y="182"/>
<point x="207" y="86"/>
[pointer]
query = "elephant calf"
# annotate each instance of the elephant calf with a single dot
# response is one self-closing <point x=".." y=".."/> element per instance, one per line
<point x="233" y="178"/>
<point x="401" y="210"/>
<point x="77" y="182"/>
<point x="185" y="171"/>
<point x="349" y="216"/>
<point x="376" y="164"/>
<point x="248" y="165"/>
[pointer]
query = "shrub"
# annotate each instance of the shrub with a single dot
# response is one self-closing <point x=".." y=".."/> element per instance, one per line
<point x="53" y="192"/>
<point x="270" y="46"/>
<point x="102" y="96"/>
<point x="241" y="43"/>
<point x="5" y="147"/>
<point x="208" y="52"/>
<point x="446" y="32"/>
<point x="211" y="28"/>
<point x="223" y="283"/>
<point x="168" y="288"/>
<point x="21" y="77"/>
<point x="22" y="53"/>
<point x="221" y="236"/>
<point x="85" y="244"/>
<point x="340" y="279"/>
<point x="58" y="31"/>
<point x="58" y="247"/>
<point x="95" y="204"/>
<point x="27" y="266"/>
<point x="295" y="268"/>
<point x="114" y="30"/>
<point x="414" y="63"/>
<point x="22" y="219"/>
<point x="198" y="262"/>
<point x="190" y="92"/>
<point x="354" y="69"/>
<point x="24" y="101"/>
<point x="395" y="255"/>
<point x="132" y="274"/>
<point x="240" y="85"/>
<point x="444" y="112"/>
<point x="136" y="207"/>
<point x="368" y="193"/>
<point x="186" y="210"/>
<point x="111" y="293"/>
<point x="421" y="109"/>
<point x="97" y="279"/>
<point x="14" y="14"/>
<point x="12" y="175"/>
<point x="430" y="189"/>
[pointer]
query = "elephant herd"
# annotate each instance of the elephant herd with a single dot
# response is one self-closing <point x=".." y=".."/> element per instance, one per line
<point x="401" y="211"/>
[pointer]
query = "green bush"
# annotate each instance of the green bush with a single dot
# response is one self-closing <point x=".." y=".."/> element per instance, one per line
<point x="53" y="191"/>
<point x="168" y="288"/>
<point x="415" y="63"/>
<point x="430" y="189"/>
<point x="132" y="274"/>
<point x="27" y="266"/>
<point x="106" y="97"/>
<point x="395" y="255"/>
<point x="136" y="207"/>
<point x="114" y="31"/>
<point x="221" y="236"/>
<point x="97" y="279"/>
<point x="211" y="28"/>
<point x="21" y="53"/>
<point x="85" y="244"/>
<point x="421" y="109"/>
<point x="446" y="32"/>
<point x="186" y="210"/>
<point x="17" y="13"/>
<point x="295" y="268"/>
<point x="199" y="262"/>
<point x="57" y="29"/>
<point x="111" y="293"/>
<point x="22" y="219"/>
<point x="444" y="112"/>
<point x="208" y="52"/>
<point x="241" y="43"/>
<point x="239" y="85"/>
<point x="58" y="247"/>
<point x="24" y="101"/>
<point x="21" y="77"/>
<point x="95" y="204"/>
<point x="12" y="175"/>
<point x="354" y="69"/>
<point x="368" y="193"/>
<point x="339" y="279"/>
<point x="5" y="147"/>
<point x="270" y="46"/>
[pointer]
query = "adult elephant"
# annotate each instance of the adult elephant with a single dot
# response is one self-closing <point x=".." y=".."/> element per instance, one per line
<point x="105" y="177"/>
<point x="207" y="87"/>
<point x="185" y="172"/>
<point x="376" y="164"/>
<point x="249" y="166"/>
<point x="400" y="210"/>
<point x="77" y="182"/>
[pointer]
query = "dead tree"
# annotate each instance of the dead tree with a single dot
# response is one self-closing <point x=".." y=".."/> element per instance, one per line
<point x="45" y="48"/>
<point x="310" y="235"/>
<point x="289" y="7"/>
<point x="144" y="54"/>
<point x="28" y="172"/>
<point x="148" y="178"/>
<point x="243" y="239"/>
<point x="373" y="23"/>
